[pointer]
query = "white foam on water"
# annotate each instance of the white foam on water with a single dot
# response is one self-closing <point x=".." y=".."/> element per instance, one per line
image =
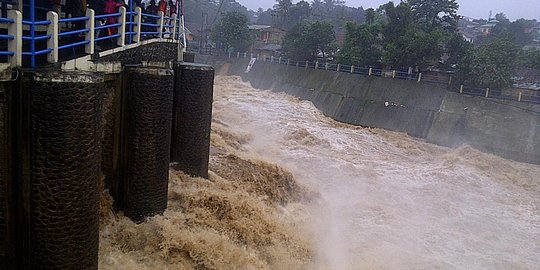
<point x="392" y="201"/>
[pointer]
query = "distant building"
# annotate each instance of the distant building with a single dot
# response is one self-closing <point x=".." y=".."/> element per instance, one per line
<point x="487" y="28"/>
<point x="269" y="50"/>
<point x="267" y="33"/>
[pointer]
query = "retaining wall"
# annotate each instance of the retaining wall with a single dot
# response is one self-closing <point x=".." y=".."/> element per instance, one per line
<point x="428" y="111"/>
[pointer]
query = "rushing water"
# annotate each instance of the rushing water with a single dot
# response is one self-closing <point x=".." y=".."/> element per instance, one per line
<point x="389" y="201"/>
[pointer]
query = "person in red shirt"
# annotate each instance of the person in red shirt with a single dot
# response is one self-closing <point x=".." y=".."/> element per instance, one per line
<point x="112" y="6"/>
<point x="162" y="6"/>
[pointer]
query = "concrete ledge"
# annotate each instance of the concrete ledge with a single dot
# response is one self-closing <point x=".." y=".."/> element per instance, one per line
<point x="507" y="128"/>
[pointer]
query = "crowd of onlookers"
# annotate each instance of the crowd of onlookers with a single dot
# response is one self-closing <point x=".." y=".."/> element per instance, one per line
<point x="77" y="8"/>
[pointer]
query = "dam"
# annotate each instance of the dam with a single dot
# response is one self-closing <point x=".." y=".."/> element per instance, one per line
<point x="128" y="158"/>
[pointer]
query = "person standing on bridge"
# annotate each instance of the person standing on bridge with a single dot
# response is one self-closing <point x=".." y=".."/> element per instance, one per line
<point x="112" y="6"/>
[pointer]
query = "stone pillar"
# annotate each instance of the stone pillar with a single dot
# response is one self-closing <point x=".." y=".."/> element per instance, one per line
<point x="146" y="135"/>
<point x="59" y="129"/>
<point x="192" y="118"/>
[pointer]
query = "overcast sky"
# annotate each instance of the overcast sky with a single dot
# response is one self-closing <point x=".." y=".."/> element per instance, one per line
<point x="514" y="9"/>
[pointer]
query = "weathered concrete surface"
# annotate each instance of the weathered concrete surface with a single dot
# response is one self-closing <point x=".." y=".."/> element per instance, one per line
<point x="58" y="176"/>
<point x="153" y="52"/>
<point x="192" y="118"/>
<point x="505" y="128"/>
<point x="146" y="135"/>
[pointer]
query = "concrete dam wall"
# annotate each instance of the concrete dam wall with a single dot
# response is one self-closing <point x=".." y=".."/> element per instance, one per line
<point x="66" y="135"/>
<point x="506" y="128"/>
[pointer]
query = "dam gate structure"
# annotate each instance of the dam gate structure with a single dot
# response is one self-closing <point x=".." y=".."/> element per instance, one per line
<point x="80" y="111"/>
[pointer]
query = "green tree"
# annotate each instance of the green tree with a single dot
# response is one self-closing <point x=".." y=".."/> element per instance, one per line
<point x="370" y="15"/>
<point x="490" y="65"/>
<point x="456" y="48"/>
<point x="399" y="19"/>
<point x="297" y="13"/>
<point x="362" y="46"/>
<point x="530" y="59"/>
<point x="307" y="39"/>
<point x="232" y="32"/>
<point x="414" y="48"/>
<point x="435" y="13"/>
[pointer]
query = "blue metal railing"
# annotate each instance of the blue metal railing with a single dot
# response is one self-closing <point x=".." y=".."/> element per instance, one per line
<point x="520" y="95"/>
<point x="48" y="36"/>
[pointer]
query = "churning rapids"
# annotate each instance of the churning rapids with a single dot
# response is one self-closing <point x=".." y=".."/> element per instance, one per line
<point x="379" y="199"/>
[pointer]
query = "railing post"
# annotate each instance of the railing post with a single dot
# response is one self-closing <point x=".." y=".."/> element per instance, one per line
<point x="174" y="19"/>
<point x="258" y="56"/>
<point x="279" y="61"/>
<point x="297" y="64"/>
<point x="352" y="69"/>
<point x="122" y="28"/>
<point x="461" y="89"/>
<point x="52" y="42"/>
<point x="161" y="22"/>
<point x="487" y="92"/>
<point x="251" y="55"/>
<point x="245" y="55"/>
<point x="238" y="55"/>
<point x="272" y="59"/>
<point x="288" y="62"/>
<point x="370" y="72"/>
<point x="393" y="74"/>
<point x="338" y="68"/>
<point x="307" y="64"/>
<point x="519" y="96"/>
<point x="419" y="77"/>
<point x="230" y="55"/>
<point x="138" y="25"/>
<point x="15" y="45"/>
<point x="316" y="64"/>
<point x="450" y="81"/>
<point x="89" y="36"/>
<point x="326" y="66"/>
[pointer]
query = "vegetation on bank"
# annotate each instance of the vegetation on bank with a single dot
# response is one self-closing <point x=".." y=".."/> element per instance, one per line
<point x="414" y="33"/>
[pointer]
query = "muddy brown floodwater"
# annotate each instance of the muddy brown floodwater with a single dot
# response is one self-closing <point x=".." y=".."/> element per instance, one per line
<point x="293" y="189"/>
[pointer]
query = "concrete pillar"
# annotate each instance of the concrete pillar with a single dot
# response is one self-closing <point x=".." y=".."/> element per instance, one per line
<point x="121" y="41"/>
<point x="52" y="43"/>
<point x="161" y="22"/>
<point x="15" y="45"/>
<point x="192" y="118"/>
<point x="174" y="22"/>
<point x="57" y="181"/>
<point x="145" y="151"/>
<point x="90" y="35"/>
<point x="138" y="24"/>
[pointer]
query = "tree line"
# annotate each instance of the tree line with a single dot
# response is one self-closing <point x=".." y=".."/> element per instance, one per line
<point x="413" y="33"/>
